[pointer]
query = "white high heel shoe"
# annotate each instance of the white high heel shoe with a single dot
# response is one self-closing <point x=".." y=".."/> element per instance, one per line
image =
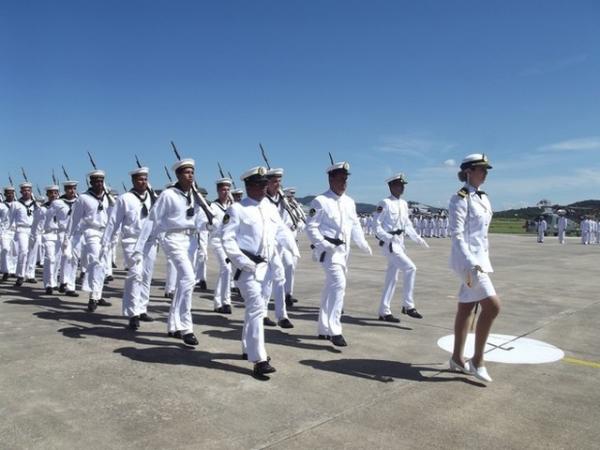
<point x="454" y="366"/>
<point x="480" y="373"/>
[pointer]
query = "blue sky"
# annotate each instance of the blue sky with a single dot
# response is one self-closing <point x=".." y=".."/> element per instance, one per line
<point x="388" y="86"/>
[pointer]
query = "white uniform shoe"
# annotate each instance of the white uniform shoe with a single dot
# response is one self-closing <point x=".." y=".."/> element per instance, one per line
<point x="480" y="373"/>
<point x="455" y="367"/>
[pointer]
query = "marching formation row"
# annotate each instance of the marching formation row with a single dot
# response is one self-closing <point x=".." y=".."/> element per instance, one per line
<point x="254" y="242"/>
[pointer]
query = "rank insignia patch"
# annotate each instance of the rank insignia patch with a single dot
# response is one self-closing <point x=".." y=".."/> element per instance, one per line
<point x="226" y="218"/>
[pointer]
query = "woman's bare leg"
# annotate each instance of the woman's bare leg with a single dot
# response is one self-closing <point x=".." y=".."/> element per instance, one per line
<point x="490" y="307"/>
<point x="461" y="328"/>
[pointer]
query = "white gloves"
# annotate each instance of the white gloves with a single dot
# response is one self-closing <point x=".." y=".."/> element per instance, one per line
<point x="137" y="258"/>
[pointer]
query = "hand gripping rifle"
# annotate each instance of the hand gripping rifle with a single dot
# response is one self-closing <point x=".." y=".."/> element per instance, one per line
<point x="293" y="214"/>
<point x="25" y="178"/>
<point x="152" y="193"/>
<point x="111" y="200"/>
<point x="199" y="197"/>
<point x="229" y="196"/>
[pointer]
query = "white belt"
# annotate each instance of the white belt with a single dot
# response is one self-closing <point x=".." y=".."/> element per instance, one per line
<point x="95" y="227"/>
<point x="23" y="227"/>
<point x="185" y="231"/>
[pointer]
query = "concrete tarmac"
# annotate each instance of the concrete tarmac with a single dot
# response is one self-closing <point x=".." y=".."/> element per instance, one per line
<point x="72" y="379"/>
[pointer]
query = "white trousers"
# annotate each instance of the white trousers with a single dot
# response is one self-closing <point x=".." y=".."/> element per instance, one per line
<point x="253" y="334"/>
<point x="561" y="236"/>
<point x="35" y="248"/>
<point x="170" y="277"/>
<point x="8" y="261"/>
<point x="222" y="294"/>
<point x="332" y="298"/>
<point x="96" y="269"/>
<point x="540" y="236"/>
<point x="68" y="265"/>
<point x="177" y="247"/>
<point x="398" y="262"/>
<point x="289" y="265"/>
<point x="275" y="283"/>
<point x="21" y="241"/>
<point x="52" y="253"/>
<point x="136" y="290"/>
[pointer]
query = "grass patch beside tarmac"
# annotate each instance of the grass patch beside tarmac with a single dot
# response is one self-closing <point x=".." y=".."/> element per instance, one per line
<point x="507" y="226"/>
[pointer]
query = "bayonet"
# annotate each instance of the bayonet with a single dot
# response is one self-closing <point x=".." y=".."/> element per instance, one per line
<point x="331" y="159"/>
<point x="232" y="181"/>
<point x="65" y="173"/>
<point x="54" y="179"/>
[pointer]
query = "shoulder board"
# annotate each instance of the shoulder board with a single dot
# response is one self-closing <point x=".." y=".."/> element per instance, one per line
<point x="463" y="192"/>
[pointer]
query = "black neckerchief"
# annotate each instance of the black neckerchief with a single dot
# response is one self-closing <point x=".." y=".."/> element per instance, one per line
<point x="99" y="199"/>
<point x="220" y="205"/>
<point x="68" y="202"/>
<point x="275" y="202"/>
<point x="188" y="197"/>
<point x="30" y="208"/>
<point x="143" y="202"/>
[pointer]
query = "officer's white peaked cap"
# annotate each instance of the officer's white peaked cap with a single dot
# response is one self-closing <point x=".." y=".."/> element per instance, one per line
<point x="255" y="174"/>
<point x="223" y="181"/>
<point x="274" y="173"/>
<point x="339" y="166"/>
<point x="182" y="163"/>
<point x="398" y="176"/>
<point x="139" y="171"/>
<point x="475" y="159"/>
<point x="96" y="173"/>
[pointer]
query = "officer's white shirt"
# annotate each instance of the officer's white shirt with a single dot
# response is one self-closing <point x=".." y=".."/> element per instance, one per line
<point x="334" y="216"/>
<point x="257" y="228"/>
<point x="21" y="214"/>
<point x="562" y="223"/>
<point x="89" y="211"/>
<point x="392" y="215"/>
<point x="126" y="217"/>
<point x="542" y="225"/>
<point x="470" y="218"/>
<point x="170" y="214"/>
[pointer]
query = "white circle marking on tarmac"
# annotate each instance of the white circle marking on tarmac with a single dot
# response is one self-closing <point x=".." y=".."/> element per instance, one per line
<point x="508" y="349"/>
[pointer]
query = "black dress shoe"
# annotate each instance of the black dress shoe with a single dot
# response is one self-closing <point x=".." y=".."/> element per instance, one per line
<point x="174" y="334"/>
<point x="324" y="337"/>
<point x="81" y="277"/>
<point x="114" y="266"/>
<point x="219" y="310"/>
<point x="267" y="322"/>
<point x="4" y="277"/>
<point x="202" y="285"/>
<point x="169" y="295"/>
<point x="30" y="281"/>
<point x="190" y="339"/>
<point x="144" y="317"/>
<point x="62" y="288"/>
<point x="109" y="278"/>
<point x="49" y="291"/>
<point x="226" y="309"/>
<point x="285" y="323"/>
<point x="92" y="305"/>
<point x="19" y="282"/>
<point x="339" y="341"/>
<point x="71" y="294"/>
<point x="134" y="323"/>
<point x="412" y="312"/>
<point x="245" y="356"/>
<point x="103" y="302"/>
<point x="289" y="301"/>
<point x="263" y="368"/>
<point x="389" y="318"/>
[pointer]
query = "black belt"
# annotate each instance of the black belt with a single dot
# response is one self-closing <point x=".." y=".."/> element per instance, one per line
<point x="396" y="232"/>
<point x="256" y="259"/>
<point x="334" y="241"/>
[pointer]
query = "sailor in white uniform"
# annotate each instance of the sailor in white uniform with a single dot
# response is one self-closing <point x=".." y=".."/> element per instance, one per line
<point x="391" y="224"/>
<point x="289" y="262"/>
<point x="62" y="210"/>
<point x="21" y="220"/>
<point x="129" y="215"/>
<point x="46" y="225"/>
<point x="250" y="237"/>
<point x="332" y="223"/>
<point x="562" y="225"/>
<point x="470" y="214"/>
<point x="542" y="226"/>
<point x="8" y="263"/>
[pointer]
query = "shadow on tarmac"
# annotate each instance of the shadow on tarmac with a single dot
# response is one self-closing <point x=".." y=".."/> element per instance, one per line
<point x="383" y="371"/>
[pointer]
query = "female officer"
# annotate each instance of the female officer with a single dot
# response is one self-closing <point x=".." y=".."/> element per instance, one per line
<point x="470" y="214"/>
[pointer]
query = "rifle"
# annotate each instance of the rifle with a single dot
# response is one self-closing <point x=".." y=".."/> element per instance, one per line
<point x="201" y="200"/>
<point x="10" y="180"/>
<point x="293" y="214"/>
<point x="124" y="187"/>
<point x="231" y="178"/>
<point x="54" y="179"/>
<point x="111" y="200"/>
<point x="152" y="193"/>
<point x="65" y="173"/>
<point x="168" y="175"/>
<point x="229" y="196"/>
<point x="25" y="178"/>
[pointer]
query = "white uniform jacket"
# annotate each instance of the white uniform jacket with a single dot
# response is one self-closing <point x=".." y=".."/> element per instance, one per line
<point x="4" y="216"/>
<point x="251" y="231"/>
<point x="333" y="217"/>
<point x="392" y="222"/>
<point x="21" y="214"/>
<point x="89" y="212"/>
<point x="128" y="216"/>
<point x="219" y="212"/>
<point x="470" y="215"/>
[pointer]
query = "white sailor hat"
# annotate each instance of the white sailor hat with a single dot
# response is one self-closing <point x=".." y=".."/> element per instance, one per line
<point x="274" y="173"/>
<point x="561" y="212"/>
<point x="289" y="191"/>
<point x="237" y="191"/>
<point x="96" y="174"/>
<point x="9" y="189"/>
<point x="255" y="175"/>
<point x="202" y="190"/>
<point x="183" y="163"/>
<point x="25" y="184"/>
<point x="399" y="176"/>
<point x="52" y="187"/>
<point x="223" y="181"/>
<point x="139" y="171"/>
<point x="339" y="166"/>
<point x="69" y="183"/>
<point x="475" y="159"/>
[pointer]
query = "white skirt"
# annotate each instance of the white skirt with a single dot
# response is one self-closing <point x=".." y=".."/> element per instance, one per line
<point x="482" y="288"/>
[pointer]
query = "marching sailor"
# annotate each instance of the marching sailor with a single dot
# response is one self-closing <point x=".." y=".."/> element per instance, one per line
<point x="391" y="224"/>
<point x="251" y="232"/>
<point x="470" y="214"/>
<point x="542" y="226"/>
<point x="131" y="211"/>
<point x="62" y="209"/>
<point x="88" y="222"/>
<point x="46" y="225"/>
<point x="176" y="217"/>
<point x="331" y="224"/>
<point x="21" y="219"/>
<point x="562" y="225"/>
<point x="289" y="262"/>
<point x="8" y="262"/>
